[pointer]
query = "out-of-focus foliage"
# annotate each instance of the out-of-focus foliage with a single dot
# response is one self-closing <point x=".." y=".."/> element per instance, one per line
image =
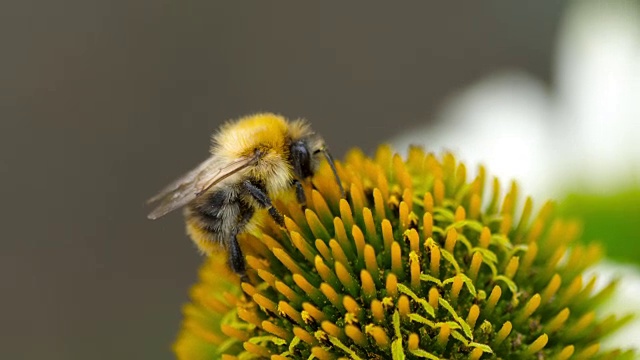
<point x="613" y="220"/>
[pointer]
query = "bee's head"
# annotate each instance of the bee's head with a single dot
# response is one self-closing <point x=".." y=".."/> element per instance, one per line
<point x="306" y="154"/>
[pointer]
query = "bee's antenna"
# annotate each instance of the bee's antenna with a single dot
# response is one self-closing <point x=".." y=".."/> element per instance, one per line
<point x="333" y="168"/>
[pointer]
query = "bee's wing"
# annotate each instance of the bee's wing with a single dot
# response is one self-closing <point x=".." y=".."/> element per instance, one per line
<point x="182" y="191"/>
<point x="188" y="178"/>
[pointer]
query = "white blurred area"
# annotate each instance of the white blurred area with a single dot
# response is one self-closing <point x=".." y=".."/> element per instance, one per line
<point x="585" y="128"/>
<point x="625" y="301"/>
<point x="501" y="122"/>
<point x="583" y="131"/>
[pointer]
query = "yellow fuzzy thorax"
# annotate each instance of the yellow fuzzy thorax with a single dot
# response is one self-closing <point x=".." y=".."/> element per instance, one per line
<point x="238" y="138"/>
<point x="417" y="262"/>
<point x="269" y="133"/>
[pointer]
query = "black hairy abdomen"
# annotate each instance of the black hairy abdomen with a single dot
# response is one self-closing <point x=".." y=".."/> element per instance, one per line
<point x="223" y="213"/>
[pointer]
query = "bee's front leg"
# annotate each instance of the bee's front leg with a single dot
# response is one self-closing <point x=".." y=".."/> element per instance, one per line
<point x="300" y="196"/>
<point x="262" y="198"/>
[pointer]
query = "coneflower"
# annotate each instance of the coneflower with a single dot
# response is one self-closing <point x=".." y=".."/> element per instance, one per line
<point x="416" y="262"/>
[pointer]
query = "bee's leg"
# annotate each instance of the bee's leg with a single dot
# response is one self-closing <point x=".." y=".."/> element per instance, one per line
<point x="236" y="259"/>
<point x="234" y="252"/>
<point x="262" y="198"/>
<point x="300" y="196"/>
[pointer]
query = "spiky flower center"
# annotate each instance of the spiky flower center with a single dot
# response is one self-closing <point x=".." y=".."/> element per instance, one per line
<point x="416" y="262"/>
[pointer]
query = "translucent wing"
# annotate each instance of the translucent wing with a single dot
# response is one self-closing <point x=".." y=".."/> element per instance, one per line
<point x="182" y="191"/>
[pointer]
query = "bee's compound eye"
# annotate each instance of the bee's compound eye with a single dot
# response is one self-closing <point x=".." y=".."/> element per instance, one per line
<point x="301" y="159"/>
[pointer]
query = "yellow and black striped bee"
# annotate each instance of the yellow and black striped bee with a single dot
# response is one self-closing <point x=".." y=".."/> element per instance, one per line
<point x="252" y="160"/>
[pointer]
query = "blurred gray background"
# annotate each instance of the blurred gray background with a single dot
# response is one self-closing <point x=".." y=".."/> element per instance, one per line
<point x="103" y="102"/>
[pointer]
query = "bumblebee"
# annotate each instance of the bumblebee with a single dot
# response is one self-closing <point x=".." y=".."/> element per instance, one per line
<point x="253" y="160"/>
